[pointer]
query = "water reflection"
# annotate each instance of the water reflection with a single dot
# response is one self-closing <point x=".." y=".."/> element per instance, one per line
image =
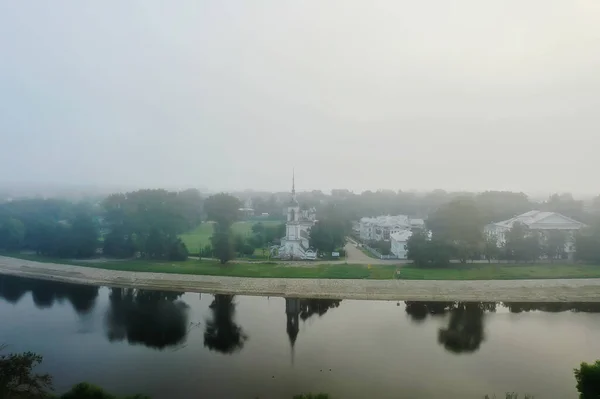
<point x="222" y="334"/>
<point x="296" y="309"/>
<point x="418" y="311"/>
<point x="156" y="319"/>
<point x="585" y="307"/>
<point x="466" y="330"/>
<point x="45" y="293"/>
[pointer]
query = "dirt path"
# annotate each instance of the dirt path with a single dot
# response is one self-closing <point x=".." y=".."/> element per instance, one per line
<point x="355" y="256"/>
<point x="499" y="290"/>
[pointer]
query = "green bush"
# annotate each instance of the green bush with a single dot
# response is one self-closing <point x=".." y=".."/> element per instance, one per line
<point x="312" y="396"/>
<point x="86" y="390"/>
<point x="588" y="380"/>
<point x="178" y="251"/>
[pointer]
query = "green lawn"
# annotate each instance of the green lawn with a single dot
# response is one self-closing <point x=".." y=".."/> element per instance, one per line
<point x="503" y="271"/>
<point x="213" y="268"/>
<point x="200" y="236"/>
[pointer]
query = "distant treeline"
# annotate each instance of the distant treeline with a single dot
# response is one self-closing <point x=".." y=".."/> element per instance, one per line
<point x="148" y="222"/>
<point x="144" y="221"/>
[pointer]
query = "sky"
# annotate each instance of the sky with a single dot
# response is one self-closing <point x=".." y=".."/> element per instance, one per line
<point x="228" y="95"/>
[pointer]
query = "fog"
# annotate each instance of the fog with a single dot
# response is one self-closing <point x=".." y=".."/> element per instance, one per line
<point x="464" y="95"/>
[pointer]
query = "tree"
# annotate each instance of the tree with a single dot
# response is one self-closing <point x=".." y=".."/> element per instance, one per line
<point x="149" y="221"/>
<point x="490" y="247"/>
<point x="554" y="244"/>
<point x="327" y="235"/>
<point x="588" y="380"/>
<point x="565" y="204"/>
<point x="522" y="244"/>
<point x="459" y="224"/>
<point x="428" y="251"/>
<point x="84" y="236"/>
<point x="223" y="209"/>
<point x="417" y="247"/>
<point x="501" y="205"/>
<point x="178" y="250"/>
<point x="17" y="379"/>
<point x="12" y="233"/>
<point x="258" y="228"/>
<point x="587" y="244"/>
<point x="222" y="245"/>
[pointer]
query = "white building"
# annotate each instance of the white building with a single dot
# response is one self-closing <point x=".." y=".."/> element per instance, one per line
<point x="398" y="241"/>
<point x="381" y="227"/>
<point x="539" y="221"/>
<point x="295" y="244"/>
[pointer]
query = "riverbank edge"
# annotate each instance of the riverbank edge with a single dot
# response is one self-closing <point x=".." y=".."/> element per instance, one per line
<point x="555" y="290"/>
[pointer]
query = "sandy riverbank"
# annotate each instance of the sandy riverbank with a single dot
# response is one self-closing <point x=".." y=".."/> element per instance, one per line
<point x="571" y="290"/>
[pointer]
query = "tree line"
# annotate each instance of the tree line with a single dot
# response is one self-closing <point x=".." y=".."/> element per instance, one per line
<point x="144" y="222"/>
<point x="456" y="231"/>
<point x="147" y="223"/>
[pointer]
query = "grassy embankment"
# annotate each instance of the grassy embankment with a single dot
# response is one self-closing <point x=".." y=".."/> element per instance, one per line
<point x="213" y="268"/>
<point x="476" y="271"/>
<point x="503" y="271"/>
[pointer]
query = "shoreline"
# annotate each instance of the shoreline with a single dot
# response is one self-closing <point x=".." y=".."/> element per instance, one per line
<point x="555" y="290"/>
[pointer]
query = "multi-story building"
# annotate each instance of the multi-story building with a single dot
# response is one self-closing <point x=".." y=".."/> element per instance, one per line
<point x="381" y="227"/>
<point x="541" y="222"/>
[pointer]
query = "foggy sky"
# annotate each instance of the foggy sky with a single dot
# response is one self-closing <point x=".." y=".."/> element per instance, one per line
<point x="466" y="94"/>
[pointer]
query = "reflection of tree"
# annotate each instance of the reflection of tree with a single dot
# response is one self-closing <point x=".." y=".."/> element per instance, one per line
<point x="222" y="334"/>
<point x="155" y="319"/>
<point x="12" y="288"/>
<point x="587" y="307"/>
<point x="465" y="330"/>
<point x="45" y="293"/>
<point x="418" y="311"/>
<point x="310" y="307"/>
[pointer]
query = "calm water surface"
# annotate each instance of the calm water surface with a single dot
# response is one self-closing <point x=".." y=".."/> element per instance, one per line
<point x="188" y="345"/>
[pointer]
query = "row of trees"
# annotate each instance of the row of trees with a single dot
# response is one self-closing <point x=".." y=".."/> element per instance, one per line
<point x="455" y="231"/>
<point x="148" y="222"/>
<point x="493" y="206"/>
<point x="145" y="222"/>
<point x="50" y="227"/>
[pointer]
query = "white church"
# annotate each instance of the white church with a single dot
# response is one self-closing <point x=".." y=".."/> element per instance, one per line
<point x="295" y="244"/>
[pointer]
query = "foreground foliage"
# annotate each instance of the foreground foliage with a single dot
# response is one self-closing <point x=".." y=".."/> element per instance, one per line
<point x="17" y="378"/>
<point x="588" y="380"/>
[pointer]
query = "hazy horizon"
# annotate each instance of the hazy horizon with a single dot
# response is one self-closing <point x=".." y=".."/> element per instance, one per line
<point x="458" y="96"/>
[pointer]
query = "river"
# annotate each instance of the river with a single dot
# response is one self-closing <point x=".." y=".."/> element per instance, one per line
<point x="188" y="345"/>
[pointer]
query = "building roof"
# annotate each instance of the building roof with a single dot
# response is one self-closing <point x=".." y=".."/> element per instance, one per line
<point x="540" y="220"/>
<point x="401" y="236"/>
<point x="393" y="221"/>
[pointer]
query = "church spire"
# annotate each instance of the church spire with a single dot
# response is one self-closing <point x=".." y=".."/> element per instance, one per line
<point x="293" y="183"/>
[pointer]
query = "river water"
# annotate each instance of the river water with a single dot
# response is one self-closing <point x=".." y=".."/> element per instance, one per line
<point x="189" y="345"/>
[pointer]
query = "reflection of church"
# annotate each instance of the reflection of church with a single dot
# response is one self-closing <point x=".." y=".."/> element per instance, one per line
<point x="297" y="309"/>
<point x="295" y="244"/>
<point x="292" y="312"/>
